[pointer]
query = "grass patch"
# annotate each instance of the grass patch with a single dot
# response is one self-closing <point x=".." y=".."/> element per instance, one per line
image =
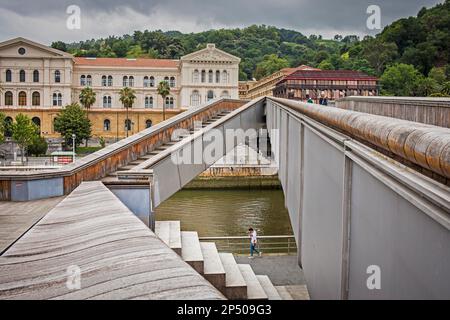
<point x="87" y="150"/>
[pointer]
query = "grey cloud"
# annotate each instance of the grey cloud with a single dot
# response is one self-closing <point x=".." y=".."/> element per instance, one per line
<point x="309" y="16"/>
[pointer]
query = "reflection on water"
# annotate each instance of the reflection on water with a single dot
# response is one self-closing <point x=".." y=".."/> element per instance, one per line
<point x="228" y="212"/>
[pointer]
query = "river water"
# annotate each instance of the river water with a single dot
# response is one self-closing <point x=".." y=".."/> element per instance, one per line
<point x="218" y="212"/>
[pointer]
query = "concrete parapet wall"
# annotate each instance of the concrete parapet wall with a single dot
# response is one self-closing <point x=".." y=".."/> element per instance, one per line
<point x="434" y="111"/>
<point x="424" y="145"/>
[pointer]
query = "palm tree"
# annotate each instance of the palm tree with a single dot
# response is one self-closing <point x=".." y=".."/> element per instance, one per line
<point x="127" y="97"/>
<point x="87" y="99"/>
<point x="164" y="91"/>
<point x="445" y="88"/>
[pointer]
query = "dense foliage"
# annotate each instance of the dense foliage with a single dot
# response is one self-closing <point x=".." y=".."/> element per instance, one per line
<point x="421" y="42"/>
<point x="73" y="120"/>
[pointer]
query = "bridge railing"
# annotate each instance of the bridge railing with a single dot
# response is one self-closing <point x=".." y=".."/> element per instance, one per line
<point x="107" y="160"/>
<point x="283" y="244"/>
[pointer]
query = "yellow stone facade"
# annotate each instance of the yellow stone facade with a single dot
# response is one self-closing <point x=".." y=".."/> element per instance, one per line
<point x="139" y="119"/>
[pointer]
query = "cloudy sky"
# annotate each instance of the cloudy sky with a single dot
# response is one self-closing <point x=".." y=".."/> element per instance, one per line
<point x="45" y="20"/>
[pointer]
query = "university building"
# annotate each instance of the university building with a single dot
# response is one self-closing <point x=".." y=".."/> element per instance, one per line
<point x="39" y="81"/>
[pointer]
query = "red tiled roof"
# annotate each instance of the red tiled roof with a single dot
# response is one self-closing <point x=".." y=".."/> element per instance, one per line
<point x="124" y="62"/>
<point x="348" y="75"/>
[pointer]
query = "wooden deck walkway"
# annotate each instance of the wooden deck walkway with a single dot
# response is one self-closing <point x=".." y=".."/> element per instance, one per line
<point x="17" y="217"/>
<point x="119" y="257"/>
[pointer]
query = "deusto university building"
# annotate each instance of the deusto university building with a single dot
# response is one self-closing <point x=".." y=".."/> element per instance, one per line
<point x="39" y="81"/>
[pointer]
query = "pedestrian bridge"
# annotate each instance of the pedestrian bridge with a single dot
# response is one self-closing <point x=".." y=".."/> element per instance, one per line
<point x="368" y="196"/>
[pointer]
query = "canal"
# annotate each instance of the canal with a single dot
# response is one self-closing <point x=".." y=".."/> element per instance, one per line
<point x="225" y="212"/>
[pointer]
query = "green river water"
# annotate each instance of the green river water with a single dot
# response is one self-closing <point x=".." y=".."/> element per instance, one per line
<point x="219" y="212"/>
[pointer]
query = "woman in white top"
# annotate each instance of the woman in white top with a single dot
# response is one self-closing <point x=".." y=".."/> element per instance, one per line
<point x="253" y="242"/>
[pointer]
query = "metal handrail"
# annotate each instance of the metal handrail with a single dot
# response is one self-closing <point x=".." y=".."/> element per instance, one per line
<point x="268" y="244"/>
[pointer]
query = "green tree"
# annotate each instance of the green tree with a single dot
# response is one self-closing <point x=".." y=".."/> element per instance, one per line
<point x="438" y="75"/>
<point x="269" y="65"/>
<point x="426" y="87"/>
<point x="24" y="132"/>
<point x="400" y="80"/>
<point x="72" y="120"/>
<point x="446" y="88"/>
<point x="127" y="97"/>
<point x="2" y="127"/>
<point x="379" y="54"/>
<point x="87" y="99"/>
<point x="326" y="65"/>
<point x="38" y="146"/>
<point x="164" y="91"/>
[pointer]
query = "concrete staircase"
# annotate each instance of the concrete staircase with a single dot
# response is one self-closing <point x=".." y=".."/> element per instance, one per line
<point x="235" y="281"/>
<point x="113" y="178"/>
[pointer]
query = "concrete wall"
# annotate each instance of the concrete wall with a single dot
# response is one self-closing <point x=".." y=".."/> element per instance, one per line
<point x="36" y="189"/>
<point x="434" y="111"/>
<point x="352" y="208"/>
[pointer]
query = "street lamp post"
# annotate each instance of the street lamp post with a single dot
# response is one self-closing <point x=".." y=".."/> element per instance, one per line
<point x="73" y="146"/>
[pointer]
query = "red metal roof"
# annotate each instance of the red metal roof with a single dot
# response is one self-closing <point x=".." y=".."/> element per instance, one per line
<point x="124" y="62"/>
<point x="347" y="75"/>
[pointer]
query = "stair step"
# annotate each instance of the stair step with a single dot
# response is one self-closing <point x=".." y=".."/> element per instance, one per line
<point x="213" y="270"/>
<point x="269" y="288"/>
<point x="191" y="251"/>
<point x="235" y="286"/>
<point x="175" y="236"/>
<point x="126" y="168"/>
<point x="284" y="294"/>
<point x="254" y="289"/>
<point x="169" y="233"/>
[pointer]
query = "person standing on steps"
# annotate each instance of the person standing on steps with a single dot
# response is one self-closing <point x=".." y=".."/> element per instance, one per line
<point x="253" y="243"/>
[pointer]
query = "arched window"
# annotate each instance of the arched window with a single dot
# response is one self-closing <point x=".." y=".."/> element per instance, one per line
<point x="22" y="98"/>
<point x="83" y="80"/>
<point x="127" y="125"/>
<point x="210" y="95"/>
<point x="125" y="81"/>
<point x="35" y="76"/>
<point x="107" y="101"/>
<point x="217" y="76"/>
<point x="203" y="76"/>
<point x="195" y="76"/>
<point x="110" y="81"/>
<point x="8" y="76"/>
<point x="210" y="76"/>
<point x="225" y="94"/>
<point x="37" y="122"/>
<point x="22" y="75"/>
<point x="224" y="76"/>
<point x="8" y="98"/>
<point x="169" y="102"/>
<point x="103" y="81"/>
<point x="57" y="76"/>
<point x="152" y="81"/>
<point x="36" y="99"/>
<point x="106" y="125"/>
<point x="195" y="98"/>
<point x="148" y="123"/>
<point x="146" y="82"/>
<point x="89" y="81"/>
<point x="57" y="99"/>
<point x="172" y="82"/>
<point x="131" y="81"/>
<point x="149" y="102"/>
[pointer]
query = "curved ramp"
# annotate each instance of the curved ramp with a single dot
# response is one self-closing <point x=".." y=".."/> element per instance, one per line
<point x="118" y="256"/>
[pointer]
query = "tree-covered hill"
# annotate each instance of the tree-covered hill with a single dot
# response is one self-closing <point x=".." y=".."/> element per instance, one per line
<point x="421" y="42"/>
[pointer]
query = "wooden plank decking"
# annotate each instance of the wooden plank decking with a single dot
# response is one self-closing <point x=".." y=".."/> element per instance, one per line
<point x="17" y="217"/>
<point x="119" y="257"/>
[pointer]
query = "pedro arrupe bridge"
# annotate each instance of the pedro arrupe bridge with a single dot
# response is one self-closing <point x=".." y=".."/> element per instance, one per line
<point x="368" y="198"/>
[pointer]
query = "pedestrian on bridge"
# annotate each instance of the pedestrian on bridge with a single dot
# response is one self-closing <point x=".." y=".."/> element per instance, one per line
<point x="253" y="243"/>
